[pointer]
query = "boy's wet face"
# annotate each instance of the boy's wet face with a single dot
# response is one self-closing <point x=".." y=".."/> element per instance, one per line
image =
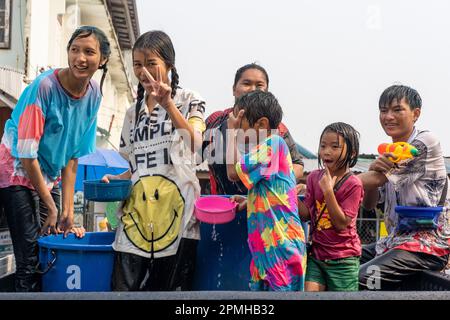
<point x="398" y="119"/>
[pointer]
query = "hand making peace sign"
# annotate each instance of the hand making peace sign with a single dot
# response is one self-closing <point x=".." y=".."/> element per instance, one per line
<point x="160" y="91"/>
<point x="234" y="122"/>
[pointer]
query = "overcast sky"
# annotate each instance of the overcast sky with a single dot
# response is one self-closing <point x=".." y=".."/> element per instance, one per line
<point x="327" y="60"/>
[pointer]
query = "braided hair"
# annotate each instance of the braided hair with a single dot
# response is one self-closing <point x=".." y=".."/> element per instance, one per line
<point x="351" y="139"/>
<point x="105" y="48"/>
<point x="160" y="43"/>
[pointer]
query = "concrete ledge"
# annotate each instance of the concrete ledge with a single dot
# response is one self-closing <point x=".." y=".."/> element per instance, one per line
<point x="231" y="295"/>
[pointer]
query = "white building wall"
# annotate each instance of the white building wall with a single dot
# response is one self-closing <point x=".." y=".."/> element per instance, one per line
<point x="39" y="15"/>
<point x="57" y="11"/>
<point x="114" y="104"/>
<point x="14" y="57"/>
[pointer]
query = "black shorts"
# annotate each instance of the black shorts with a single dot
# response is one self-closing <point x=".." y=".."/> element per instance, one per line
<point x="388" y="270"/>
<point x="135" y="273"/>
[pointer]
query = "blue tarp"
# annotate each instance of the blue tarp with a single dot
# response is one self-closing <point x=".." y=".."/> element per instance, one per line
<point x="94" y="166"/>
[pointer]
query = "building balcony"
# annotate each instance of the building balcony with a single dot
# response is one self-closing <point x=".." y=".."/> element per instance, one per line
<point x="11" y="84"/>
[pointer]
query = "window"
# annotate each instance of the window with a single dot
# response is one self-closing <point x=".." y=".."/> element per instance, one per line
<point x="5" y="24"/>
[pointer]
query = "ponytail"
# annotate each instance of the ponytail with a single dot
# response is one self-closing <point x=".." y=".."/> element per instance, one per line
<point x="140" y="92"/>
<point x="174" y="81"/>
<point x="105" y="70"/>
<point x="139" y="100"/>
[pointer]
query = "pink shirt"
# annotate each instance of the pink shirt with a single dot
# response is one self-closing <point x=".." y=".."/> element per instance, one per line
<point x="329" y="244"/>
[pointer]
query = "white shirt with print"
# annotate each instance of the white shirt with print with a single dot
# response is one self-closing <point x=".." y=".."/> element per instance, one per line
<point x="154" y="147"/>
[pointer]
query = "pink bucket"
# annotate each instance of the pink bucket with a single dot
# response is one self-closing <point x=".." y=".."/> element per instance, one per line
<point x="215" y="209"/>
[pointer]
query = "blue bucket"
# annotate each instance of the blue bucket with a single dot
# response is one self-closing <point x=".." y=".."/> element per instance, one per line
<point x="115" y="190"/>
<point x="74" y="264"/>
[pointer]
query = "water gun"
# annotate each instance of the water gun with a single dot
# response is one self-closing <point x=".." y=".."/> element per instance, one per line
<point x="402" y="150"/>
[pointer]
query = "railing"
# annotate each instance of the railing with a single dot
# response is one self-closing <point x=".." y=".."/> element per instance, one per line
<point x="368" y="229"/>
<point x="11" y="81"/>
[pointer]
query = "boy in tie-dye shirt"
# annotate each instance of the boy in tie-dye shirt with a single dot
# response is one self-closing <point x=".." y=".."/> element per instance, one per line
<point x="275" y="235"/>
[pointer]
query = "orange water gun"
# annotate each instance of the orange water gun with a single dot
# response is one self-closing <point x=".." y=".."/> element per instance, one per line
<point x="402" y="150"/>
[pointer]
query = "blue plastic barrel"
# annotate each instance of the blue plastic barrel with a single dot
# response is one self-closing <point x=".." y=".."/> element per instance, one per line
<point x="74" y="264"/>
<point x="223" y="256"/>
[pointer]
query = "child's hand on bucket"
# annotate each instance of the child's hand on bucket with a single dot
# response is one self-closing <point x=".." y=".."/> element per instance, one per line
<point x="107" y="177"/>
<point x="79" y="232"/>
<point x="65" y="224"/>
<point x="49" y="226"/>
<point x="241" y="201"/>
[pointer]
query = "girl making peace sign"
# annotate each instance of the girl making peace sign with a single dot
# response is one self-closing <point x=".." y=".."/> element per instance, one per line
<point x="157" y="238"/>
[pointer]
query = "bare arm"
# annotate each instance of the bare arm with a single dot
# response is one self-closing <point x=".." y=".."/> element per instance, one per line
<point x="375" y="178"/>
<point x="232" y="157"/>
<point x="303" y="211"/>
<point x="232" y="154"/>
<point x="371" y="181"/>
<point x="298" y="171"/>
<point x="195" y="137"/>
<point x="123" y="176"/>
<point x="68" y="176"/>
<point x="337" y="216"/>
<point x="37" y="180"/>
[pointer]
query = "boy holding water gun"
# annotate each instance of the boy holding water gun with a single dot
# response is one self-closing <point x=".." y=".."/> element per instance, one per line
<point x="418" y="179"/>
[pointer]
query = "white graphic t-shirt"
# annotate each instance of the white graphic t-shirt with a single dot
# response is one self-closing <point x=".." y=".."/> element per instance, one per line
<point x="160" y="209"/>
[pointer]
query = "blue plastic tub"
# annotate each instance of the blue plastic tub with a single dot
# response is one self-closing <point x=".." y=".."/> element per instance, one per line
<point x="115" y="190"/>
<point x="418" y="212"/>
<point x="417" y="218"/>
<point x="73" y="264"/>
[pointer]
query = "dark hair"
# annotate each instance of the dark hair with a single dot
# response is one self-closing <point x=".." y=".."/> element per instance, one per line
<point x="398" y="92"/>
<point x="105" y="49"/>
<point x="351" y="139"/>
<point x="258" y="104"/>
<point x="249" y="66"/>
<point x="160" y="43"/>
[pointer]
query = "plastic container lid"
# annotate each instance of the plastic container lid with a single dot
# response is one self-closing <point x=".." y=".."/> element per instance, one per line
<point x="418" y="212"/>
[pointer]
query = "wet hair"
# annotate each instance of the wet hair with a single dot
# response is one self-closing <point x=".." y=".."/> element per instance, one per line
<point x="249" y="66"/>
<point x="351" y="139"/>
<point x="258" y="104"/>
<point x="159" y="43"/>
<point x="105" y="48"/>
<point x="398" y="92"/>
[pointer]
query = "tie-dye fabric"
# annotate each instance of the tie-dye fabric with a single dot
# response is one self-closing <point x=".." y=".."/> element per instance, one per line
<point x="49" y="125"/>
<point x="275" y="235"/>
